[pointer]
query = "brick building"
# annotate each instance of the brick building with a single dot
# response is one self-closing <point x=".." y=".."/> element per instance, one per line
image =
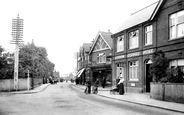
<point x="159" y="26"/>
<point x="100" y="64"/>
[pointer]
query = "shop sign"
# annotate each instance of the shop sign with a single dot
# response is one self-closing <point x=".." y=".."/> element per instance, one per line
<point x="133" y="54"/>
<point x="148" y="51"/>
<point x="120" y="57"/>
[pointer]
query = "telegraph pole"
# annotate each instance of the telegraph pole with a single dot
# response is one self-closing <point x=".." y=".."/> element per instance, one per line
<point x="17" y="35"/>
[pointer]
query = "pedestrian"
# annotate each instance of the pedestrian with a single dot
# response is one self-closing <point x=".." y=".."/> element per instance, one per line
<point x="120" y="85"/>
<point x="103" y="82"/>
<point x="88" y="87"/>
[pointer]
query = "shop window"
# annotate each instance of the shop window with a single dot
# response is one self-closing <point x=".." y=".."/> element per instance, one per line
<point x="176" y="24"/>
<point x="148" y="35"/>
<point x="120" y="43"/>
<point x="133" y="39"/>
<point x="133" y="70"/>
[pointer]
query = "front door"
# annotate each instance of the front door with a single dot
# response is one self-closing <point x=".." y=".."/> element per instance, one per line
<point x="148" y="77"/>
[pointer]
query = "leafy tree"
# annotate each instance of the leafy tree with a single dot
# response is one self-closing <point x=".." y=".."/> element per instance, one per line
<point x="158" y="68"/>
<point x="6" y="69"/>
<point x="35" y="59"/>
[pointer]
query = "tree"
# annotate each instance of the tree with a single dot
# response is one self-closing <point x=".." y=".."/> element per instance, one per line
<point x="158" y="68"/>
<point x="6" y="70"/>
<point x="34" y="58"/>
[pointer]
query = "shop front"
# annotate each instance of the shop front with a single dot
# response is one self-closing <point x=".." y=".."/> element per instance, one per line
<point x="103" y="73"/>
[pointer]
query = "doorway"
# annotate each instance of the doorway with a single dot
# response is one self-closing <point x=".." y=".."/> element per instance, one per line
<point x="148" y="75"/>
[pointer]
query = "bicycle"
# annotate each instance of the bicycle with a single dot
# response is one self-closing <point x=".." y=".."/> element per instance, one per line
<point x="86" y="90"/>
<point x="95" y="89"/>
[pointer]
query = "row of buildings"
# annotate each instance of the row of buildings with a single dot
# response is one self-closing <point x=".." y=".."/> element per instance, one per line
<point x="128" y="51"/>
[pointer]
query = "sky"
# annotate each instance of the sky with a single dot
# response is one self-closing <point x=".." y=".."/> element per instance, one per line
<point x="62" y="26"/>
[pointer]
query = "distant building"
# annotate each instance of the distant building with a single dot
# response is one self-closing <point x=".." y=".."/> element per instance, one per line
<point x="82" y="62"/>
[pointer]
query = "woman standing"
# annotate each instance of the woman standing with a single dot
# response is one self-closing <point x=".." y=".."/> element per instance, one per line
<point x="121" y="85"/>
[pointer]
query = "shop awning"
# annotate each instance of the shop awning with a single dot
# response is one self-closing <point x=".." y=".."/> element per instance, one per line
<point x="80" y="72"/>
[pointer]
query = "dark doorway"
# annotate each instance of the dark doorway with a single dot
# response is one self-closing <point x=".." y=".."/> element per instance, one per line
<point x="148" y="76"/>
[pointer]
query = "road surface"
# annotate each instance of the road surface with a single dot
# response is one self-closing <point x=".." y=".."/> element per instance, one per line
<point x="66" y="99"/>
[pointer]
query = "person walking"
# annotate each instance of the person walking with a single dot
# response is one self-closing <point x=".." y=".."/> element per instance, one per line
<point x="88" y="87"/>
<point x="103" y="82"/>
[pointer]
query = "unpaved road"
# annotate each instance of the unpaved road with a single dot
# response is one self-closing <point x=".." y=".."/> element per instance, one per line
<point x="66" y="99"/>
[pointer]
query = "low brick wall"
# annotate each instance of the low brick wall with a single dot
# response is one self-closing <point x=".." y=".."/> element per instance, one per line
<point x="173" y="92"/>
<point x="8" y="84"/>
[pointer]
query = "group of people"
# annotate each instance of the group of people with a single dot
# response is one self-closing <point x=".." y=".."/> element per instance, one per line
<point x="95" y="87"/>
<point x="119" y="87"/>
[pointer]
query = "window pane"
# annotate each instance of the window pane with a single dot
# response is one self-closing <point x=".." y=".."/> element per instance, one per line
<point x="136" y="72"/>
<point x="130" y="43"/>
<point x="173" y="32"/>
<point x="120" y="44"/>
<point x="180" y="13"/>
<point x="130" y="73"/>
<point x="180" y="30"/>
<point x="172" y="20"/>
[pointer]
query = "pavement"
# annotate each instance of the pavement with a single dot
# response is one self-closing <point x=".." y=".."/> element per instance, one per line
<point x="136" y="98"/>
<point x="139" y="98"/>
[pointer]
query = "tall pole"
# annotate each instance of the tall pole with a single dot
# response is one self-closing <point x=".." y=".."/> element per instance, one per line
<point x="28" y="80"/>
<point x="17" y="33"/>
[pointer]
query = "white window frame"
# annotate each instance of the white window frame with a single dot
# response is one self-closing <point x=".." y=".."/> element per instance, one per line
<point x="133" y="70"/>
<point x="134" y="39"/>
<point x="148" y="35"/>
<point x="176" y="25"/>
<point x="101" y="58"/>
<point x="120" y="43"/>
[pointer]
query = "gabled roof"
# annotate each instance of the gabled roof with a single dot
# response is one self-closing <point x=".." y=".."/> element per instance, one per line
<point x="106" y="36"/>
<point x="141" y="16"/>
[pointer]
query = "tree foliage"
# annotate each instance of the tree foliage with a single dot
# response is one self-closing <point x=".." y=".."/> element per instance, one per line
<point x="6" y="70"/>
<point x="158" y="68"/>
<point x="161" y="72"/>
<point x="32" y="58"/>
